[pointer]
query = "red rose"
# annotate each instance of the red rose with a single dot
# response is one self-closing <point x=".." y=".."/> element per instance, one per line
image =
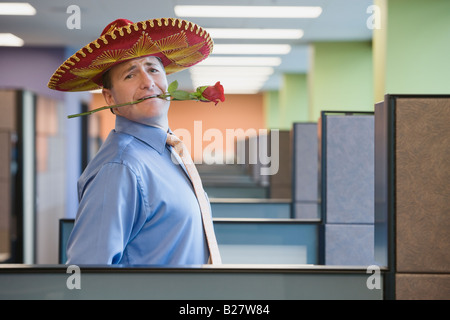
<point x="214" y="93"/>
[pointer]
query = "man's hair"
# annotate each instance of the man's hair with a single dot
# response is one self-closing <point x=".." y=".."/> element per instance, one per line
<point x="106" y="79"/>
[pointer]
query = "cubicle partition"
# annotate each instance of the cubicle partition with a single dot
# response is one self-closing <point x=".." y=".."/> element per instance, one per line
<point x="250" y="240"/>
<point x="305" y="171"/>
<point x="17" y="176"/>
<point x="412" y="174"/>
<point x="347" y="188"/>
<point x="280" y="177"/>
<point x="32" y="183"/>
<point x="229" y="283"/>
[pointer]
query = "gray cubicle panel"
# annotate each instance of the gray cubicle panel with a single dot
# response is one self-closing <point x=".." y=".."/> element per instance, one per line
<point x="412" y="174"/>
<point x="203" y="282"/>
<point x="249" y="191"/>
<point x="305" y="171"/>
<point x="249" y="208"/>
<point x="267" y="241"/>
<point x="347" y="188"/>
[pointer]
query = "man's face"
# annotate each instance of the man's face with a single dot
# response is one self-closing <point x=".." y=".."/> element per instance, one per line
<point x="136" y="79"/>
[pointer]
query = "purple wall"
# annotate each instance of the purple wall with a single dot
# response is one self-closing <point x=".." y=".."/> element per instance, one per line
<point x="30" y="68"/>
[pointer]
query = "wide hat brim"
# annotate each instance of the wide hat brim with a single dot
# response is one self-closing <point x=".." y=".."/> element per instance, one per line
<point x="179" y="44"/>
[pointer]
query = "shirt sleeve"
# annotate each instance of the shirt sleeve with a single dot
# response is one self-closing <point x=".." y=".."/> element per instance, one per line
<point x="108" y="208"/>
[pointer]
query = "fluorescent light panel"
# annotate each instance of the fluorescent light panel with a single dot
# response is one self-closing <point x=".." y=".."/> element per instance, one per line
<point x="251" y="49"/>
<point x="241" y="61"/>
<point x="234" y="81"/>
<point x="230" y="70"/>
<point x="255" y="33"/>
<point x="10" y="40"/>
<point x="248" y="11"/>
<point x="242" y="91"/>
<point x="231" y="77"/>
<point x="230" y="88"/>
<point x="17" y="9"/>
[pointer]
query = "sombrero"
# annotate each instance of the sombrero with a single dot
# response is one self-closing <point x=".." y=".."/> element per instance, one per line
<point x="178" y="43"/>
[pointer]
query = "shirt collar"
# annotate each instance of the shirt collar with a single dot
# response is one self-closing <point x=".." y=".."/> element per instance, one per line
<point x="153" y="136"/>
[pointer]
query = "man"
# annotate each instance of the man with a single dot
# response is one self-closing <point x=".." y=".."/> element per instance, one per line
<point x="136" y="205"/>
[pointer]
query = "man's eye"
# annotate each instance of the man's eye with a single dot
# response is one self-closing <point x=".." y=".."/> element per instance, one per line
<point x="129" y="76"/>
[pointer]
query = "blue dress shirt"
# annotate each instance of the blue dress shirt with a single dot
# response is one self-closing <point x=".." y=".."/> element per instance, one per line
<point x="136" y="205"/>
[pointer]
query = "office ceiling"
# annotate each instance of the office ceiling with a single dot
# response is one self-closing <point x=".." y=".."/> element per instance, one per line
<point x="341" y="20"/>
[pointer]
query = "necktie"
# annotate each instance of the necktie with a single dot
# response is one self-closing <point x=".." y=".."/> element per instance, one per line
<point x="182" y="151"/>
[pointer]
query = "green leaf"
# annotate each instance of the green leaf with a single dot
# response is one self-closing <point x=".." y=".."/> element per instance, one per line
<point x="180" y="95"/>
<point x="173" y="86"/>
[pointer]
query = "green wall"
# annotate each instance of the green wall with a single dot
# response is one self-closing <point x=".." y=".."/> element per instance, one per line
<point x="418" y="47"/>
<point x="340" y="78"/>
<point x="293" y="100"/>
<point x="271" y="109"/>
<point x="409" y="54"/>
<point x="288" y="105"/>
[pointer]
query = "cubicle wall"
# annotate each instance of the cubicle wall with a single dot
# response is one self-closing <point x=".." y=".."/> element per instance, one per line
<point x="17" y="178"/>
<point x="412" y="216"/>
<point x="8" y="134"/>
<point x="305" y="171"/>
<point x="50" y="176"/>
<point x="259" y="284"/>
<point x="347" y="188"/>
<point x="280" y="180"/>
<point x="32" y="176"/>
<point x="249" y="241"/>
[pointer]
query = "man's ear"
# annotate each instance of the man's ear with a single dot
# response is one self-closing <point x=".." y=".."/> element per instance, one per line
<point x="107" y="95"/>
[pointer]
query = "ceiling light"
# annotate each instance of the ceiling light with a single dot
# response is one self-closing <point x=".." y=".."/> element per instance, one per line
<point x="232" y="87"/>
<point x="229" y="70"/>
<point x="241" y="61"/>
<point x="236" y="33"/>
<point x="243" y="91"/>
<point x="10" y="40"/>
<point x="232" y="81"/>
<point x="251" y="49"/>
<point x="17" y="9"/>
<point x="248" y="11"/>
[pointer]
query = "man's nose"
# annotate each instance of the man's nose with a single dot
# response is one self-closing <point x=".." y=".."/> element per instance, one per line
<point x="147" y="80"/>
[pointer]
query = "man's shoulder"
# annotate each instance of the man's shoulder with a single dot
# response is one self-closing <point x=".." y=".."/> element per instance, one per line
<point x="114" y="148"/>
<point x="119" y="149"/>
